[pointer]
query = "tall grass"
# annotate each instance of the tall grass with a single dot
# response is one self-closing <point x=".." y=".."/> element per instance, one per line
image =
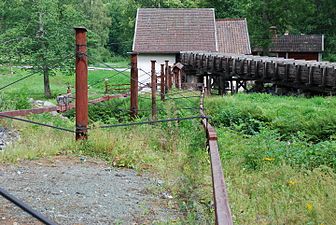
<point x="279" y="157"/>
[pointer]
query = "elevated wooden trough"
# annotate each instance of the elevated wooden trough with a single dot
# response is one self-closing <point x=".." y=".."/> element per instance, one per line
<point x="221" y="70"/>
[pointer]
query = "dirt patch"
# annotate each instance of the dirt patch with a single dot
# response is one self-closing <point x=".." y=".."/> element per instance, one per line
<point x="81" y="191"/>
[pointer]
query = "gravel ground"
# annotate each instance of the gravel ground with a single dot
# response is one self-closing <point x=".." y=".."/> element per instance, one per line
<point x="70" y="191"/>
<point x="6" y="137"/>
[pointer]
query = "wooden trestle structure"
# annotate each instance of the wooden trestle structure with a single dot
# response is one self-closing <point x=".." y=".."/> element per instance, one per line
<point x="229" y="72"/>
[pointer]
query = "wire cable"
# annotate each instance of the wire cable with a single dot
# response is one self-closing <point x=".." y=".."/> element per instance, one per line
<point x="153" y="121"/>
<point x="37" y="123"/>
<point x="14" y="82"/>
<point x="26" y="207"/>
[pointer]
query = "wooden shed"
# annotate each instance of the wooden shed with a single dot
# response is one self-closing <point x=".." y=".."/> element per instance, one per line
<point x="290" y="46"/>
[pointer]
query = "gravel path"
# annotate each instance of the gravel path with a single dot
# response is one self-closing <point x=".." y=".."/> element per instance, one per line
<point x="70" y="191"/>
<point x="7" y="137"/>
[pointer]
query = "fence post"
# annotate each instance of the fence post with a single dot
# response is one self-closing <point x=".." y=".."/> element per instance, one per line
<point x="179" y="79"/>
<point x="208" y="85"/>
<point x="81" y="84"/>
<point x="134" y="85"/>
<point x="154" y="109"/>
<point x="170" y="75"/>
<point x="166" y="77"/>
<point x="162" y="83"/>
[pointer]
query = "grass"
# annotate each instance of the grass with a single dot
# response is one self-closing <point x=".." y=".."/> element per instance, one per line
<point x="170" y="153"/>
<point x="33" y="86"/>
<point x="278" y="153"/>
<point x="279" y="168"/>
<point x="118" y="62"/>
<point x="174" y="154"/>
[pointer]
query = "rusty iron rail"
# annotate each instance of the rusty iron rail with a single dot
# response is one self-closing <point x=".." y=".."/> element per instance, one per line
<point x="59" y="108"/>
<point x="222" y="209"/>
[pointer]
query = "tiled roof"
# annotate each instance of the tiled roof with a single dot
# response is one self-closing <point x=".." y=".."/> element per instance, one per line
<point x="298" y="43"/>
<point x="233" y="36"/>
<point x="175" y="30"/>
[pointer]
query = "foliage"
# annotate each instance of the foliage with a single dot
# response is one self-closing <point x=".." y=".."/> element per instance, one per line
<point x="288" y="115"/>
<point x="40" y="33"/>
<point x="277" y="172"/>
<point x="273" y="177"/>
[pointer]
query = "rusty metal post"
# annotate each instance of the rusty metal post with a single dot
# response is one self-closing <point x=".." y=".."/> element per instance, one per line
<point x="162" y="83"/>
<point x="174" y="71"/>
<point x="81" y="84"/>
<point x="170" y="79"/>
<point x="134" y="85"/>
<point x="177" y="73"/>
<point x="153" y="77"/>
<point x="179" y="79"/>
<point x="166" y="76"/>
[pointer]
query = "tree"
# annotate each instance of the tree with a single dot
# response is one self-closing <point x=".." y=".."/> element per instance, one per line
<point x="98" y="22"/>
<point x="41" y="33"/>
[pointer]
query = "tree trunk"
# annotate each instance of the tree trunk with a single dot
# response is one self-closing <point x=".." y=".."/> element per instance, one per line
<point x="47" y="91"/>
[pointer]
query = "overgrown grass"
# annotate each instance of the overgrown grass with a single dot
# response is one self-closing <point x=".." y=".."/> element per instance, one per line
<point x="33" y="87"/>
<point x="118" y="62"/>
<point x="173" y="152"/>
<point x="279" y="157"/>
<point x="278" y="153"/>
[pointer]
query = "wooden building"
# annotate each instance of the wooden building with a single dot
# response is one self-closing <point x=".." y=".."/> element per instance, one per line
<point x="290" y="46"/>
<point x="161" y="34"/>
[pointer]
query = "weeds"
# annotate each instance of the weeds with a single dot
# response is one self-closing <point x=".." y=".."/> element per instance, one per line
<point x="279" y="157"/>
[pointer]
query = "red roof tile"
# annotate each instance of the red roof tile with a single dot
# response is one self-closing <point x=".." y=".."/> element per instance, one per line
<point x="233" y="36"/>
<point x="175" y="30"/>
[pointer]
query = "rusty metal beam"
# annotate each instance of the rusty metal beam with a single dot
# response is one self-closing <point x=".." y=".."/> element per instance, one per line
<point x="222" y="210"/>
<point x="81" y="84"/>
<point x="170" y="77"/>
<point x="134" y="85"/>
<point x="162" y="83"/>
<point x="154" y="86"/>
<point x="166" y="77"/>
<point x="26" y="112"/>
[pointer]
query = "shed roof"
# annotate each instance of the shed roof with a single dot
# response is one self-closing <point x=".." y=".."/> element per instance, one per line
<point x="298" y="43"/>
<point x="233" y="36"/>
<point x="175" y="30"/>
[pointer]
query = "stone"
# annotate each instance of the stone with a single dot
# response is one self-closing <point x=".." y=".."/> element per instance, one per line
<point x="48" y="104"/>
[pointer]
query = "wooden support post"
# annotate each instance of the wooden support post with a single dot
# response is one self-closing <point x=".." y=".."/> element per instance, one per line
<point x="231" y="86"/>
<point x="208" y="85"/>
<point x="134" y="85"/>
<point x="166" y="77"/>
<point x="153" y="77"/>
<point x="162" y="83"/>
<point x="237" y="86"/>
<point x="81" y="84"/>
<point x="221" y="84"/>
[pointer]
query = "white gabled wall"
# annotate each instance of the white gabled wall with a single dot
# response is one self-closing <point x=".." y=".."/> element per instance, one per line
<point x="144" y="64"/>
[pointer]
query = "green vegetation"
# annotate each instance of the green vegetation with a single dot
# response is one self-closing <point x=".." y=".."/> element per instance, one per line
<point x="278" y="153"/>
<point x="40" y="33"/>
<point x="279" y="157"/>
<point x="173" y="152"/>
<point x="19" y="93"/>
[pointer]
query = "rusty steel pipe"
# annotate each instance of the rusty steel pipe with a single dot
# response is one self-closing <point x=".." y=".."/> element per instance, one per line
<point x="154" y="83"/>
<point x="162" y="83"/>
<point x="170" y="78"/>
<point x="134" y="85"/>
<point x="81" y="84"/>
<point x="166" y="75"/>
